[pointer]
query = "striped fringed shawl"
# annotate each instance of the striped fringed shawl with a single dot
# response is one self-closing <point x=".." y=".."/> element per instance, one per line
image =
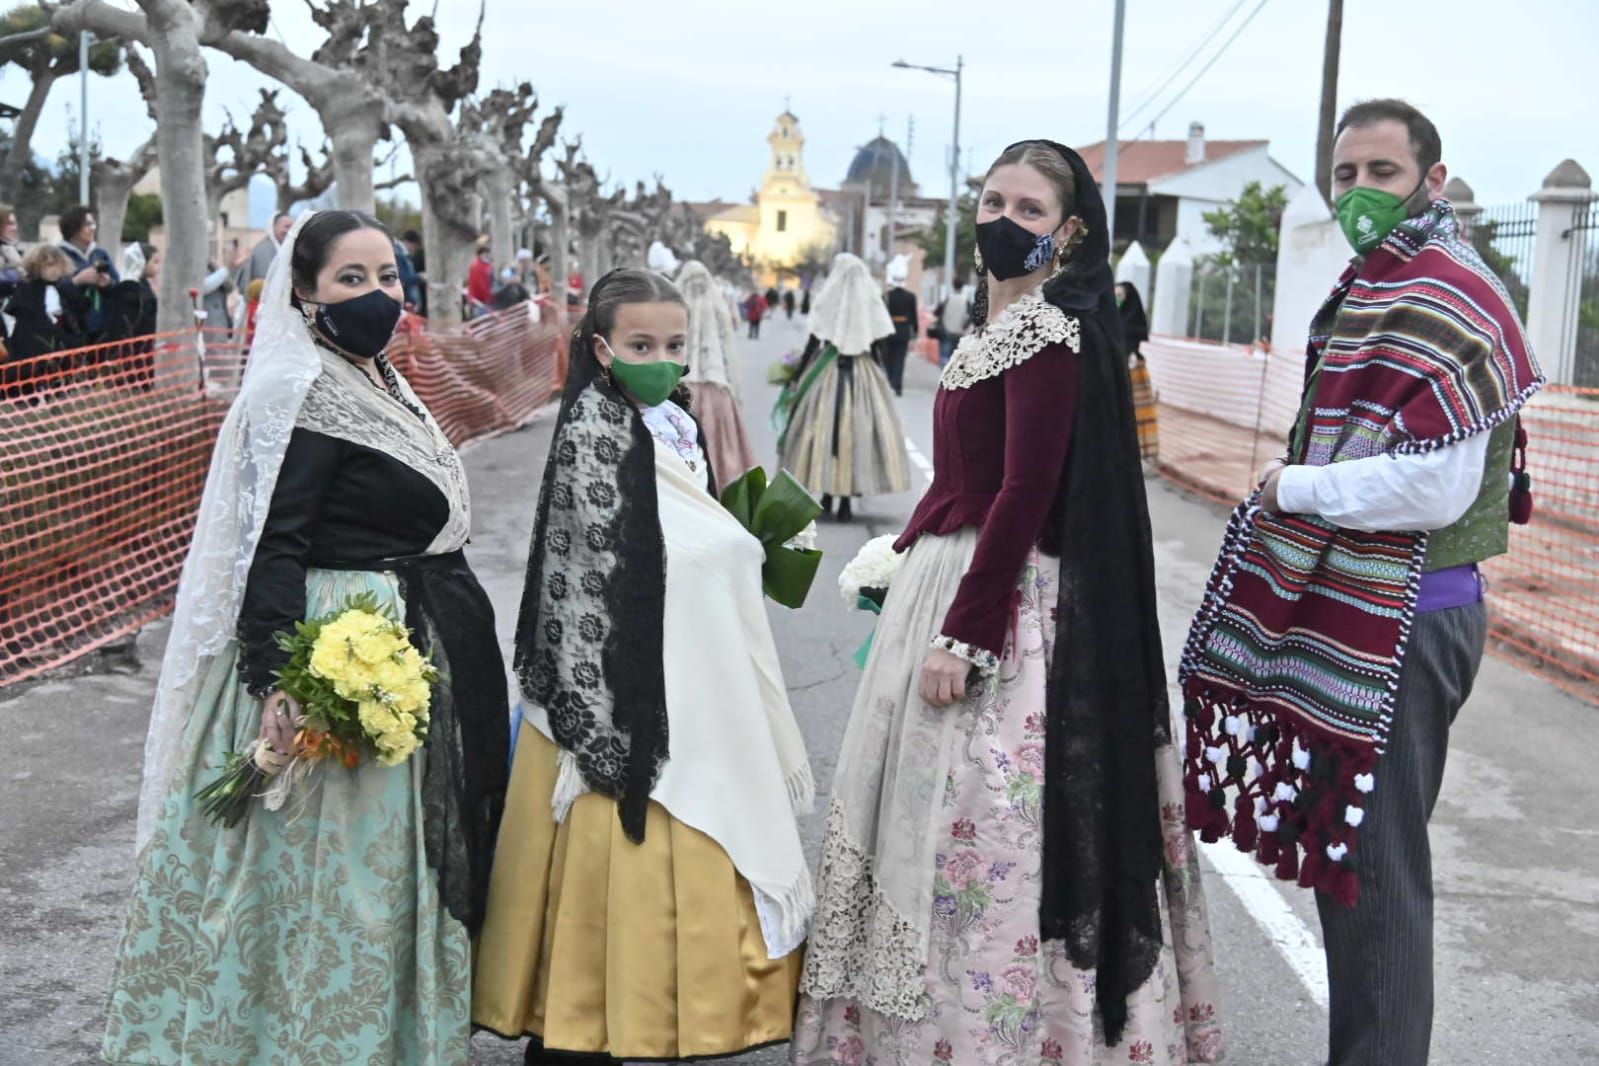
<point x="1294" y="659"/>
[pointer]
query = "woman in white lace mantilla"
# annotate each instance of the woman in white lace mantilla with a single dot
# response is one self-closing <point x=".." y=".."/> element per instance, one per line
<point x="1006" y="877"/>
<point x="842" y="435"/>
<point x="713" y="373"/>
<point x="339" y="926"/>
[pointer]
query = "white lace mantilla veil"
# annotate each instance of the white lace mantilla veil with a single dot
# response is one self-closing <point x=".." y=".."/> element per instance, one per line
<point x="233" y="511"/>
<point x="849" y="311"/>
<point x="712" y="348"/>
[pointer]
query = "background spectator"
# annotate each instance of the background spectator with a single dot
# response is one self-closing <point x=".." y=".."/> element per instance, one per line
<point x="47" y="308"/>
<point x="510" y="291"/>
<point x="953" y="318"/>
<point x="91" y="266"/>
<point x="261" y="257"/>
<point x="755" y="310"/>
<point x="214" y="292"/>
<point x="906" y="315"/>
<point x="419" y="262"/>
<point x="480" y="282"/>
<point x="130" y="303"/>
<point x="252" y="298"/>
<point x="410" y="280"/>
<point x="10" y="251"/>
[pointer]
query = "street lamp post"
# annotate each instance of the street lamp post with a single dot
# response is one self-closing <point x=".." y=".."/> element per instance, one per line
<point x="954" y="161"/>
<point x="1112" y="143"/>
<point x="83" y="117"/>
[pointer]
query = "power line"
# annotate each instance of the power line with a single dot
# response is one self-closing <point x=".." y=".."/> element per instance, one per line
<point x="1204" y="41"/>
<point x="1203" y="70"/>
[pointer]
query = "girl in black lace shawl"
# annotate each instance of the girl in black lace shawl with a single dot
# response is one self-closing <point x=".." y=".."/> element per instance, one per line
<point x="650" y="890"/>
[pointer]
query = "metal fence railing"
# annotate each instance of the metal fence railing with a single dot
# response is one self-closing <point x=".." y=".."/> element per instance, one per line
<point x="1582" y="296"/>
<point x="1504" y="237"/>
<point x="1232" y="303"/>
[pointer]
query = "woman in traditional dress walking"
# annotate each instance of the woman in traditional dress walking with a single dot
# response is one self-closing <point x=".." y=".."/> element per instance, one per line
<point x="713" y="373"/>
<point x="650" y="893"/>
<point x="843" y="436"/>
<point x="1006" y="875"/>
<point x="1135" y="331"/>
<point x="339" y="927"/>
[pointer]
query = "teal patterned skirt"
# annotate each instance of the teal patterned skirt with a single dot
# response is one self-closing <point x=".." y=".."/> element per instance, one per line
<point x="312" y="934"/>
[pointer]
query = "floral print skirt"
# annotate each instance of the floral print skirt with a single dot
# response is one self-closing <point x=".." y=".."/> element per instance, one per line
<point x="994" y="993"/>
<point x="311" y="934"/>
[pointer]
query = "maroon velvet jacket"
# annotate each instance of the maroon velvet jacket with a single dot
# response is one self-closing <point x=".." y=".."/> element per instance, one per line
<point x="999" y="453"/>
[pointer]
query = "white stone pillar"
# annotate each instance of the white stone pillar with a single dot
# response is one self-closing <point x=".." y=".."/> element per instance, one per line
<point x="1311" y="254"/>
<point x="1134" y="268"/>
<point x="1556" y="272"/>
<point x="1174" y="283"/>
<point x="1459" y="194"/>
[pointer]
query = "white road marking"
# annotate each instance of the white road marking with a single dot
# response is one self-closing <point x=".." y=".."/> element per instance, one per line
<point x="919" y="459"/>
<point x="1254" y="886"/>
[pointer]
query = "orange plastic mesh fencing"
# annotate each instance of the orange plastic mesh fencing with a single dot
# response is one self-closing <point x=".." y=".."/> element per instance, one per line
<point x="492" y="376"/>
<point x="1225" y="411"/>
<point x="106" y="451"/>
<point x="107" y="448"/>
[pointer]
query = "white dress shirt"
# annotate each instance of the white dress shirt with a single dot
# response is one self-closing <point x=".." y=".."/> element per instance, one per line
<point x="1390" y="493"/>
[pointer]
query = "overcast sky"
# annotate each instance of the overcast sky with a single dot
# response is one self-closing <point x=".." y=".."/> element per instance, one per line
<point x="689" y="89"/>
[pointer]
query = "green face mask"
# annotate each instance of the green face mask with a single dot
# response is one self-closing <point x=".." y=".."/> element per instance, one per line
<point x="648" y="383"/>
<point x="1367" y="216"/>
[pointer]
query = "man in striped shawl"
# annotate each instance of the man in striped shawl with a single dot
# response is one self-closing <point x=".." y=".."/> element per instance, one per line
<point x="1344" y="623"/>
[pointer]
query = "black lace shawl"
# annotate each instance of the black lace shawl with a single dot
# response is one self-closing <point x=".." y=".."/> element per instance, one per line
<point x="1105" y="702"/>
<point x="588" y="639"/>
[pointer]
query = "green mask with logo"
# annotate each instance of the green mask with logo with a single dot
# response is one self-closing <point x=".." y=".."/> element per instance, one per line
<point x="648" y="383"/>
<point x="1367" y="216"/>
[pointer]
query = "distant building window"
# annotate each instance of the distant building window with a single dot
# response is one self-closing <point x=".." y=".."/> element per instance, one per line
<point x="782" y="221"/>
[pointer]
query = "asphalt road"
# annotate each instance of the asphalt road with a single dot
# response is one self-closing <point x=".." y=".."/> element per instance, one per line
<point x="1515" y="841"/>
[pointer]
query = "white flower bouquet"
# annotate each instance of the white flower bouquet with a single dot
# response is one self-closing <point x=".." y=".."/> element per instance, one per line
<point x="865" y="581"/>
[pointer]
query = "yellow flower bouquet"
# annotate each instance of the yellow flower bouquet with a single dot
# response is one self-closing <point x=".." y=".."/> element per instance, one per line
<point x="365" y="691"/>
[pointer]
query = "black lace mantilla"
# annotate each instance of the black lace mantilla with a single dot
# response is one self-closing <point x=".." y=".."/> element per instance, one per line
<point x="1105" y="702"/>
<point x="588" y="641"/>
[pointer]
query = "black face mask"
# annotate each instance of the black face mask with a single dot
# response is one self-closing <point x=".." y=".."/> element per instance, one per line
<point x="362" y="325"/>
<point x="1011" y="250"/>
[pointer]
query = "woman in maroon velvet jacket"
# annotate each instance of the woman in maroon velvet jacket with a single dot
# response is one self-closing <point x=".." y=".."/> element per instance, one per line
<point x="999" y="879"/>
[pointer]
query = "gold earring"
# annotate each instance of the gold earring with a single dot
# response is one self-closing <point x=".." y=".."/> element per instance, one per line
<point x="977" y="257"/>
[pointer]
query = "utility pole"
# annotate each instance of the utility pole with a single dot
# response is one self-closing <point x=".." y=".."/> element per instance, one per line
<point x="953" y="222"/>
<point x="83" y="117"/>
<point x="1329" y="98"/>
<point x="893" y="200"/>
<point x="893" y="214"/>
<point x="866" y="212"/>
<point x="1108" y="178"/>
<point x="954" y="181"/>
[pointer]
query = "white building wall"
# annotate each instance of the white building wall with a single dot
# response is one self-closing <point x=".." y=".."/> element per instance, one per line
<point x="1207" y="187"/>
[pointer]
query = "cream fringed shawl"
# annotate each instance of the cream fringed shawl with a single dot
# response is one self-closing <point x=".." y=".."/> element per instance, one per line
<point x="737" y="769"/>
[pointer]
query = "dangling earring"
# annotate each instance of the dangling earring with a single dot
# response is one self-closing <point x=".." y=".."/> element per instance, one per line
<point x="977" y="258"/>
<point x="1064" y="256"/>
<point x="1061" y="256"/>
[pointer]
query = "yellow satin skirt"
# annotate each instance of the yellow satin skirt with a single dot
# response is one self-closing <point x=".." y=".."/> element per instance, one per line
<point x="640" y="951"/>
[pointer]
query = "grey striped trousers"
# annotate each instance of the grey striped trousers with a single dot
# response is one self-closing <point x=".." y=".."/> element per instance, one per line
<point x="1379" y="953"/>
